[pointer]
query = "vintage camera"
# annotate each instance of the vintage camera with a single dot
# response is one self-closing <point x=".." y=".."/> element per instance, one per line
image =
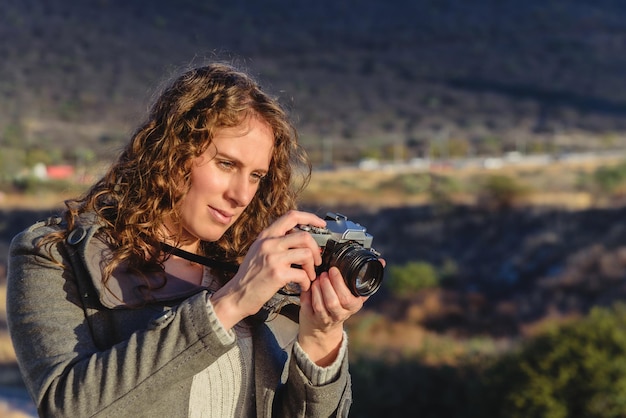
<point x="348" y="247"/>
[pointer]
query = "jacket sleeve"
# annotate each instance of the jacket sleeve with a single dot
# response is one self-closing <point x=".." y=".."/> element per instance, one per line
<point x="65" y="372"/>
<point x="329" y="399"/>
<point x="287" y="387"/>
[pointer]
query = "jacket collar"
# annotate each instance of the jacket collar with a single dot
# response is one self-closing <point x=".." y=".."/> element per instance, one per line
<point x="123" y="289"/>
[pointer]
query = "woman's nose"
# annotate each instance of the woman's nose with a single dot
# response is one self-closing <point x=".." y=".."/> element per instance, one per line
<point x="241" y="190"/>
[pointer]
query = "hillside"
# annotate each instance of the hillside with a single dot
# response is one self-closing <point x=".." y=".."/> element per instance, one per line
<point x="486" y="76"/>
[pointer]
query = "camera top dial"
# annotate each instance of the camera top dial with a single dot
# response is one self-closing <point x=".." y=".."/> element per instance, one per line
<point x="314" y="229"/>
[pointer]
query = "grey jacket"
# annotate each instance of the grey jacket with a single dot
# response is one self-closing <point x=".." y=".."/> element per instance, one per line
<point x="84" y="353"/>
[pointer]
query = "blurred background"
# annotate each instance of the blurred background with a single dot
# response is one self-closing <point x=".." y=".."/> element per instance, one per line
<point x="482" y="143"/>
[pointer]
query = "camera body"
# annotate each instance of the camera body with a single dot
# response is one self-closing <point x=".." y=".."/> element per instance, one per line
<point x="339" y="230"/>
<point x="348" y="246"/>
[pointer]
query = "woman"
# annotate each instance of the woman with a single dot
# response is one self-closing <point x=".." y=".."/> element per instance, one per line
<point x="131" y="303"/>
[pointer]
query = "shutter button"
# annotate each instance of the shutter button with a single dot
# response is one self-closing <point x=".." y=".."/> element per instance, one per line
<point x="76" y="236"/>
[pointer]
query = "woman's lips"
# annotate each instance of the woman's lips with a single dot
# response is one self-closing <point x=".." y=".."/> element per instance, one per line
<point x="220" y="216"/>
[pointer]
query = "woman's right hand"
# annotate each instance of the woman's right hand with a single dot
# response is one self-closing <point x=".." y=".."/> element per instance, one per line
<point x="269" y="266"/>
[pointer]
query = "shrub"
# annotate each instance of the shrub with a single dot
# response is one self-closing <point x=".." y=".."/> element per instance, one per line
<point x="33" y="185"/>
<point x="608" y="180"/>
<point x="501" y="192"/>
<point x="410" y="184"/>
<point x="412" y="277"/>
<point x="441" y="192"/>
<point x="575" y="371"/>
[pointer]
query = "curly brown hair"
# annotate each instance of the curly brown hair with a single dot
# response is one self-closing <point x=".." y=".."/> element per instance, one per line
<point x="143" y="187"/>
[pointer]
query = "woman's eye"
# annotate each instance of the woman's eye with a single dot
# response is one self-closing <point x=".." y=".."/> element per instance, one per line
<point x="257" y="177"/>
<point x="226" y="165"/>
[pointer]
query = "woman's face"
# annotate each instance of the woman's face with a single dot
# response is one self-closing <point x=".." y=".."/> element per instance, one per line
<point x="224" y="179"/>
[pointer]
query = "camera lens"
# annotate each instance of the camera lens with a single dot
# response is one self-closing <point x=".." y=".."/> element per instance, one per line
<point x="368" y="279"/>
<point x="361" y="269"/>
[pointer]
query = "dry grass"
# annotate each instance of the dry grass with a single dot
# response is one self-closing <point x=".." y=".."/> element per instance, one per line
<point x="554" y="184"/>
<point x="3" y="302"/>
<point x="373" y="334"/>
<point x="359" y="188"/>
<point x="7" y="354"/>
<point x="41" y="200"/>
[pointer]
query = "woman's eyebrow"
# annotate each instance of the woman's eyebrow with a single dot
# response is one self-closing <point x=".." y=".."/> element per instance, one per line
<point x="237" y="161"/>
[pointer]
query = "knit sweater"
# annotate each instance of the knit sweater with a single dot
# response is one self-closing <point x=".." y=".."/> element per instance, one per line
<point x="231" y="374"/>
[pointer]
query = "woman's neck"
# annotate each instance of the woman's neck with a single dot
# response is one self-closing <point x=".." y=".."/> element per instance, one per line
<point x="183" y="269"/>
<point x="186" y="242"/>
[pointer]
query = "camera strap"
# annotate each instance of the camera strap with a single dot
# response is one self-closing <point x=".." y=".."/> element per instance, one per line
<point x="205" y="261"/>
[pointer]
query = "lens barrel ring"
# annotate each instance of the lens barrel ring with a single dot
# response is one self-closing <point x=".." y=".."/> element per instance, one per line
<point x="361" y="268"/>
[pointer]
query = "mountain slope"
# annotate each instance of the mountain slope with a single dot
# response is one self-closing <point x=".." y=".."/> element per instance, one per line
<point x="358" y="72"/>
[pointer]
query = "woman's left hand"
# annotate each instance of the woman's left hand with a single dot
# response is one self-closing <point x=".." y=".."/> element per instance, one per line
<point x="325" y="306"/>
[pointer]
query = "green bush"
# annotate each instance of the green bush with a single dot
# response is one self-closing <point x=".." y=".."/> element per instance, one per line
<point x="609" y="179"/>
<point x="410" y="184"/>
<point x="501" y="191"/>
<point x="411" y="277"/>
<point x="441" y="192"/>
<point x="448" y="271"/>
<point x="575" y="371"/>
<point x="33" y="185"/>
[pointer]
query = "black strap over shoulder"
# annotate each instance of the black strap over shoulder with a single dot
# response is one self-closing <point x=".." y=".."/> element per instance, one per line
<point x="288" y="309"/>
<point x="205" y="261"/>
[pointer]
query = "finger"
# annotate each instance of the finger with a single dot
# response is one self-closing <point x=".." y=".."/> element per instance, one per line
<point x="305" y="298"/>
<point x="289" y="262"/>
<point x="303" y="240"/>
<point x="341" y="291"/>
<point x="297" y="276"/>
<point x="332" y="302"/>
<point x="339" y="284"/>
<point x="318" y="303"/>
<point x="298" y="249"/>
<point x="290" y="220"/>
<point x="301" y="259"/>
<point x="301" y="252"/>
